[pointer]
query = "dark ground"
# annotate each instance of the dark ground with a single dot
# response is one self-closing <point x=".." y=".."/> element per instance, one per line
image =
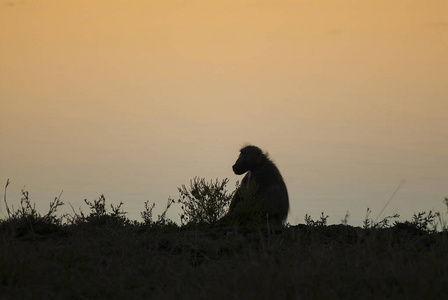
<point x="167" y="262"/>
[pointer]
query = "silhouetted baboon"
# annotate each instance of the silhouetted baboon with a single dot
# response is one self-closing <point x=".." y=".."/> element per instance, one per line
<point x="263" y="184"/>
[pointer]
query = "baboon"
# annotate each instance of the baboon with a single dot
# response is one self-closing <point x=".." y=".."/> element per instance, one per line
<point x="263" y="182"/>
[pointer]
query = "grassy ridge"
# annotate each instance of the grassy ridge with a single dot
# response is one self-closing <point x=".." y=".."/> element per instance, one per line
<point x="298" y="262"/>
<point x="104" y="255"/>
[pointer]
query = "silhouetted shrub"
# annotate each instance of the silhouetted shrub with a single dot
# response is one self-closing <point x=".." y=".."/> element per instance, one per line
<point x="204" y="202"/>
<point x="26" y="220"/>
<point x="162" y="219"/>
<point x="99" y="216"/>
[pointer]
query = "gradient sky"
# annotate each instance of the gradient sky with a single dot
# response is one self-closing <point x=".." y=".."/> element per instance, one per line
<point x="133" y="99"/>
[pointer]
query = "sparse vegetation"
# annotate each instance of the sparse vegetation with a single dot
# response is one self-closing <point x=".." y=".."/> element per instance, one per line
<point x="384" y="223"/>
<point x="162" y="220"/>
<point x="321" y="222"/>
<point x="103" y="254"/>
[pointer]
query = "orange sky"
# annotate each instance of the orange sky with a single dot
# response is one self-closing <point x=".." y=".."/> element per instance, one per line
<point x="114" y="97"/>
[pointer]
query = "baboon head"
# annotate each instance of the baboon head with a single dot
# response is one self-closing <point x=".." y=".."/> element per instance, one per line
<point x="250" y="157"/>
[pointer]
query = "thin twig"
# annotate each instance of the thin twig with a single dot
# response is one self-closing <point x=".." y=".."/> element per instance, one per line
<point x="4" y="198"/>
<point x="388" y="201"/>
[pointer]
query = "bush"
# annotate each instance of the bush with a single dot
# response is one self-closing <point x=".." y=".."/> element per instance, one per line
<point x="162" y="220"/>
<point x="321" y="222"/>
<point x="26" y="220"/>
<point x="100" y="216"/>
<point x="382" y="224"/>
<point x="204" y="202"/>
